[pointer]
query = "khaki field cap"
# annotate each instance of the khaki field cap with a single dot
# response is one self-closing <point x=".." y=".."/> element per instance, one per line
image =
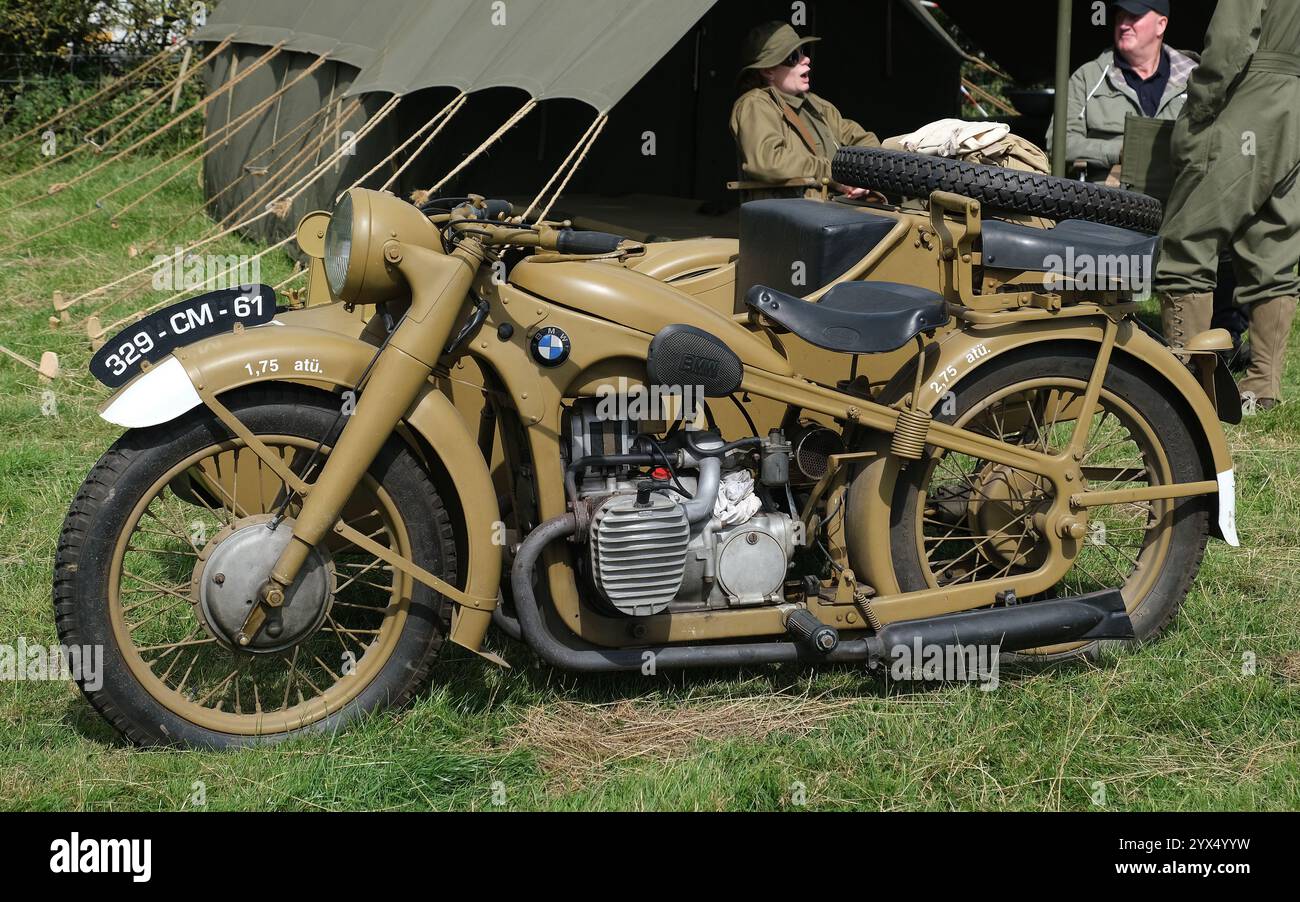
<point x="769" y="44"/>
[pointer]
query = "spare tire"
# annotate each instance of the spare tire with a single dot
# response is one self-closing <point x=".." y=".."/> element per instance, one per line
<point x="916" y="175"/>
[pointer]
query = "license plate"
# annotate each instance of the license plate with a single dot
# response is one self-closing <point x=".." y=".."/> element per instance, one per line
<point x="163" y="331"/>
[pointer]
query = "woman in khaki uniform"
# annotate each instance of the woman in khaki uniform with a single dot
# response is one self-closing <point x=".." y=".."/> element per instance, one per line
<point x="783" y="131"/>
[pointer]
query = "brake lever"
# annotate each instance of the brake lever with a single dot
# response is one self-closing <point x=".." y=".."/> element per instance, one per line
<point x="481" y="310"/>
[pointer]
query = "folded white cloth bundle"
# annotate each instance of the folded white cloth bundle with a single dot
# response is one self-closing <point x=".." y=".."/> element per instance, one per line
<point x="736" y="499"/>
<point x="954" y="138"/>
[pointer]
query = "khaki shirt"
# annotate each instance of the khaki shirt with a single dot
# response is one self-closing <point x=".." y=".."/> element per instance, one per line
<point x="771" y="148"/>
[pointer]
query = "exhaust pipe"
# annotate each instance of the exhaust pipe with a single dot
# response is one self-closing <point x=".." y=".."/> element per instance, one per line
<point x="537" y="634"/>
<point x="1100" y="615"/>
<point x="1083" y="618"/>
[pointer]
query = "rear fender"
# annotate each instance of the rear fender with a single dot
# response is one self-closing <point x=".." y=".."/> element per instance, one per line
<point x="961" y="354"/>
<point x="332" y="361"/>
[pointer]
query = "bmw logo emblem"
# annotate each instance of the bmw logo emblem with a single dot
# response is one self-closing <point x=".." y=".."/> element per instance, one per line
<point x="551" y="346"/>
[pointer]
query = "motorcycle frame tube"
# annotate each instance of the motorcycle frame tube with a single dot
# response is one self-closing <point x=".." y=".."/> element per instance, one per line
<point x="603" y="350"/>
<point x="439" y="285"/>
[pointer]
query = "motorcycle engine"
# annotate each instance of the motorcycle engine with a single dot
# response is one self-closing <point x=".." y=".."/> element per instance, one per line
<point x="702" y="531"/>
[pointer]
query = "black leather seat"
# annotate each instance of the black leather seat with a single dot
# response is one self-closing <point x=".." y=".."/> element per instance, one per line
<point x="816" y="241"/>
<point x="1075" y="249"/>
<point x="855" y="317"/>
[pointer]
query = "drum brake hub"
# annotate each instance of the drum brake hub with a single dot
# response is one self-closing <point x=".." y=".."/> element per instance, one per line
<point x="233" y="568"/>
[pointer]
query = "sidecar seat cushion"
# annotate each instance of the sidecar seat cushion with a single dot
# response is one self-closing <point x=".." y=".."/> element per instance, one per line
<point x="855" y="317"/>
<point x="802" y="245"/>
<point x="1074" y="249"/>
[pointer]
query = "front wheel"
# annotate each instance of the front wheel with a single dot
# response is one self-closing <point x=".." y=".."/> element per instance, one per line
<point x="956" y="519"/>
<point x="168" y="541"/>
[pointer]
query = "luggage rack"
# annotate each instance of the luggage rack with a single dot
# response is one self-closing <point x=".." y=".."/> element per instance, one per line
<point x="1020" y="294"/>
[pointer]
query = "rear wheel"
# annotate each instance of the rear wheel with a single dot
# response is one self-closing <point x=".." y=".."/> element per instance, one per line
<point x="167" y="542"/>
<point x="958" y="519"/>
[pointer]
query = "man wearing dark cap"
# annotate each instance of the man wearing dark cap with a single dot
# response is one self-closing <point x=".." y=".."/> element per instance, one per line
<point x="1237" y="152"/>
<point x="1139" y="76"/>
<point x="783" y="131"/>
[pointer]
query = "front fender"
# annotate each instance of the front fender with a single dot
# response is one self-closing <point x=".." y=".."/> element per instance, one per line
<point x="318" y="357"/>
<point x="959" y="355"/>
<point x="331" y="360"/>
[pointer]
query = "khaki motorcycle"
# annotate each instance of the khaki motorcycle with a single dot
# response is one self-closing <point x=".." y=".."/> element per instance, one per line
<point x="628" y="458"/>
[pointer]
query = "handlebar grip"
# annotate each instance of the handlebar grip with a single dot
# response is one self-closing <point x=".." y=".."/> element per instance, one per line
<point x="494" y="210"/>
<point x="571" y="242"/>
<point x="442" y="204"/>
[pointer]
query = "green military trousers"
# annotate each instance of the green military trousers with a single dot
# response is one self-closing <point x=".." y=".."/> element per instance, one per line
<point x="1237" y="189"/>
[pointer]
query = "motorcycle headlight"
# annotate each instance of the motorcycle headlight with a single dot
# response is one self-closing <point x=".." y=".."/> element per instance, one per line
<point x="338" y="246"/>
<point x="362" y="225"/>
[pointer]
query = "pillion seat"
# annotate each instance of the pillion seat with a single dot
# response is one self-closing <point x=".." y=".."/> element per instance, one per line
<point x="855" y="317"/>
<point x="1076" y="250"/>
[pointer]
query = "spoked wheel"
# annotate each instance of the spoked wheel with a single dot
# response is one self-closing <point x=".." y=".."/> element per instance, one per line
<point x="174" y="532"/>
<point x="957" y="519"/>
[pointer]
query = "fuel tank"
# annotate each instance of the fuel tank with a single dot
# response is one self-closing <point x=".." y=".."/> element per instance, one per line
<point x="637" y="301"/>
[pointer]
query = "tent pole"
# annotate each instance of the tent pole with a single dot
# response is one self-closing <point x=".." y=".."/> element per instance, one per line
<point x="562" y="167"/>
<point x="1064" y="14"/>
<point x="451" y="110"/>
<point x="577" y="164"/>
<point x="419" y="197"/>
<point x="180" y="77"/>
<point x="401" y="147"/>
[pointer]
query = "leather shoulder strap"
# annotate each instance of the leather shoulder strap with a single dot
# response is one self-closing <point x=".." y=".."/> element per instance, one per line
<point x="793" y="118"/>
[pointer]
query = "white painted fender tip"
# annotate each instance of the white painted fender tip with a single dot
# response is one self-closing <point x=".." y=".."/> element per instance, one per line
<point x="1228" y="508"/>
<point x="158" y="396"/>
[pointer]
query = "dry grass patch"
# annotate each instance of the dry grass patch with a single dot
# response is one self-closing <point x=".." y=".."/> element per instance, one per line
<point x="1289" y="667"/>
<point x="574" y="741"/>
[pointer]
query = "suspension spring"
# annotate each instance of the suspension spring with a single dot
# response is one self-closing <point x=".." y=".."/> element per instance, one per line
<point x="910" y="434"/>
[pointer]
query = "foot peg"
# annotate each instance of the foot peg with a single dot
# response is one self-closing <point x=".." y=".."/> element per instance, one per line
<point x="804" y="626"/>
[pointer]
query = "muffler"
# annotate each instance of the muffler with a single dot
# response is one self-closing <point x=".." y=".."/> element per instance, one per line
<point x="1082" y="618"/>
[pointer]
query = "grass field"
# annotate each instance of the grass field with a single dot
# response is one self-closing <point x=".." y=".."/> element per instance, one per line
<point x="1186" y="723"/>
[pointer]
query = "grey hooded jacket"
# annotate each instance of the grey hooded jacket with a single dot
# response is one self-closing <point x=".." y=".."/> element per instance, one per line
<point x="1099" y="102"/>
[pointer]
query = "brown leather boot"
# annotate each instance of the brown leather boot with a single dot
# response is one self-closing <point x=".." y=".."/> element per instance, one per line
<point x="1185" y="316"/>
<point x="1270" y="327"/>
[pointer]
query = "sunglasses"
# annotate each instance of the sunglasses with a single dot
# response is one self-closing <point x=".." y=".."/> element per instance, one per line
<point x="796" y="56"/>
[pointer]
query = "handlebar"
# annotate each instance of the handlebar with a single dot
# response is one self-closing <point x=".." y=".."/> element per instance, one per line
<point x="542" y="236"/>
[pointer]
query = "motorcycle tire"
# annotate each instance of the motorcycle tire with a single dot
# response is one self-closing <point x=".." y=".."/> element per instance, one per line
<point x="917" y="175"/>
<point x="120" y="493"/>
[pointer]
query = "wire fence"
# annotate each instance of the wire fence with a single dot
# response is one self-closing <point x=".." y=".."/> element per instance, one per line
<point x="108" y="58"/>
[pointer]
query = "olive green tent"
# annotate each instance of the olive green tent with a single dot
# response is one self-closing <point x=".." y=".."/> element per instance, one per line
<point x="663" y="71"/>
